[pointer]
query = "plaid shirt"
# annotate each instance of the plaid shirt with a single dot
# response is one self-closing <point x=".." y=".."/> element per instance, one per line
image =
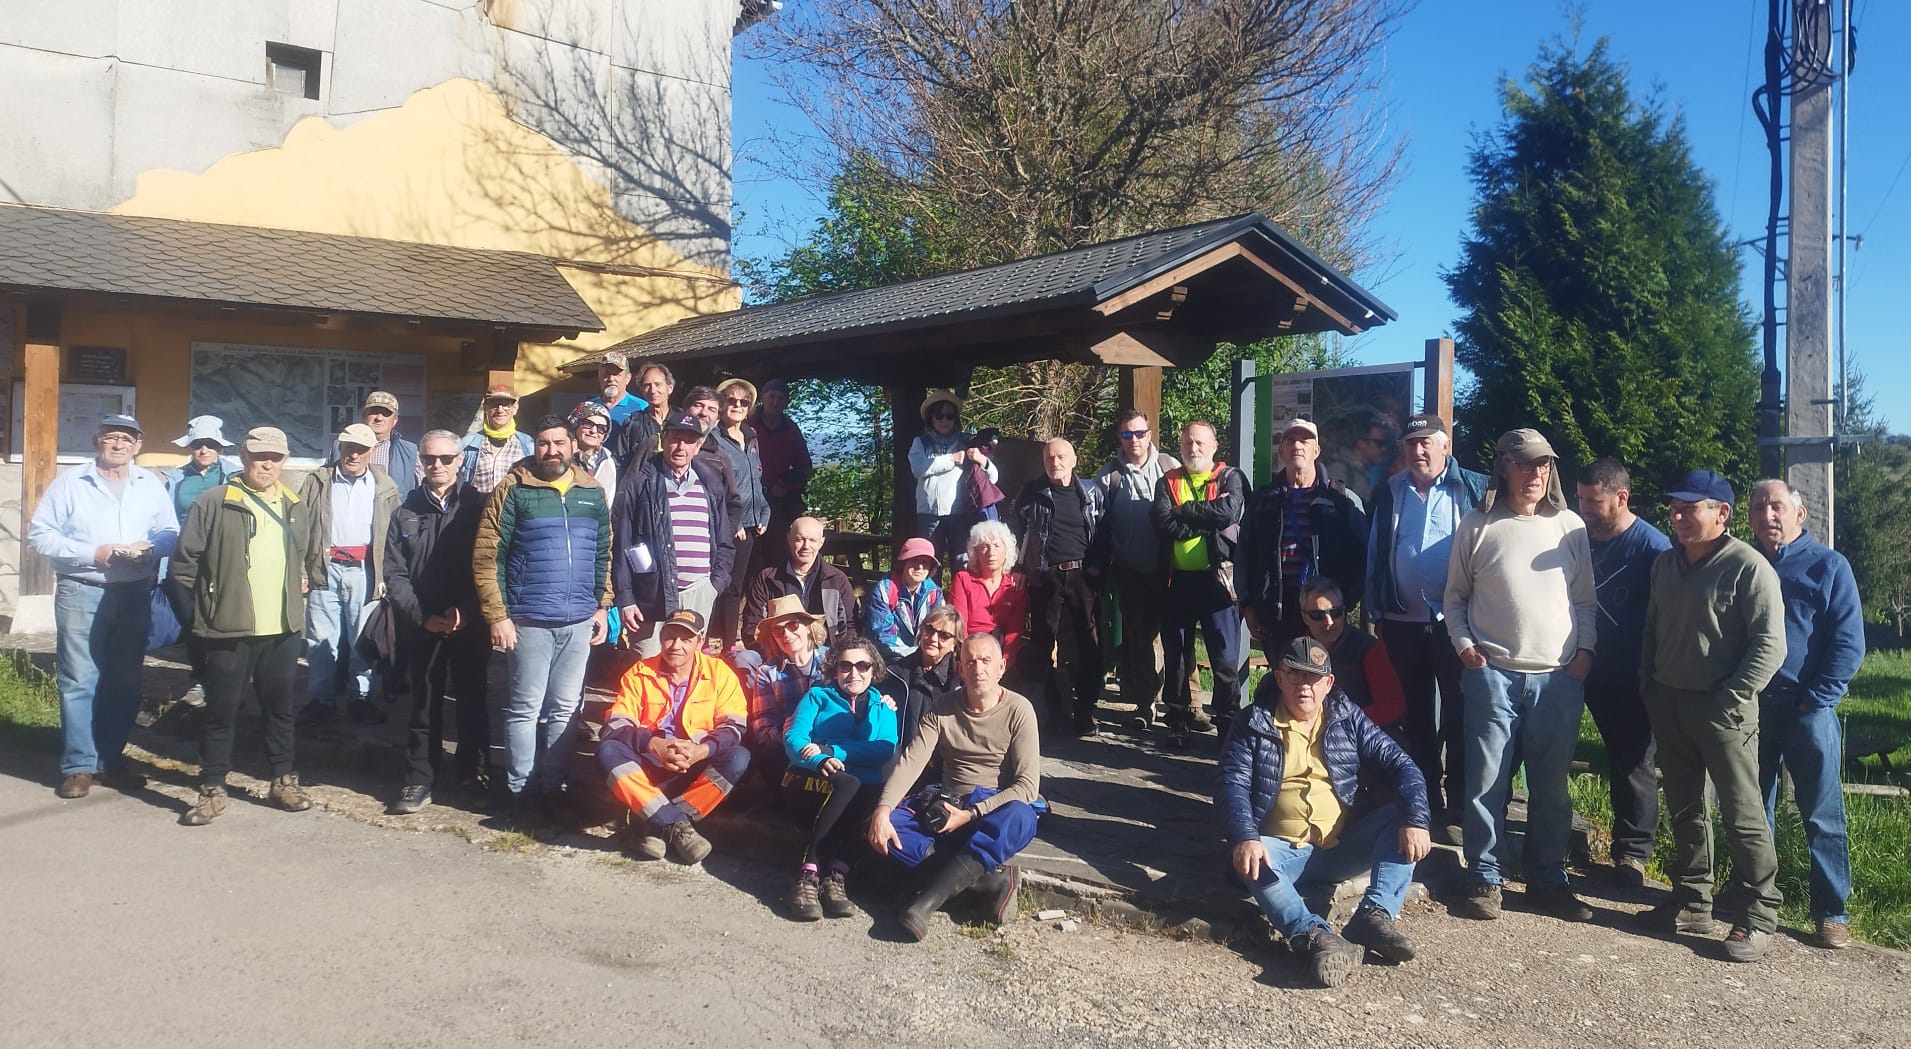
<point x="494" y="461"/>
<point x="776" y="688"/>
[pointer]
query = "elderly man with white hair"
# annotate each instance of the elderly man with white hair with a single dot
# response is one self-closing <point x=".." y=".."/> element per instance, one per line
<point x="1197" y="514"/>
<point x="1063" y="559"/>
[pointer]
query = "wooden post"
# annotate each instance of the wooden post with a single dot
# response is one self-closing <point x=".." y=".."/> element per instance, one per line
<point x="1439" y="382"/>
<point x="41" y="430"/>
<point x="1139" y="387"/>
<point x="905" y="398"/>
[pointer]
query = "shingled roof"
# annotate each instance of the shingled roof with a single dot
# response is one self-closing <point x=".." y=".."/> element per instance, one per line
<point x="50" y="250"/>
<point x="1080" y="277"/>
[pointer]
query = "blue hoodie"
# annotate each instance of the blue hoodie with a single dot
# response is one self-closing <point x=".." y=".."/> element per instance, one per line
<point x="863" y="740"/>
<point x="1824" y="624"/>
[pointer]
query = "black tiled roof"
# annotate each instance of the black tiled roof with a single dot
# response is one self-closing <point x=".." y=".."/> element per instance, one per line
<point x="1076" y="277"/>
<point x="45" y="249"/>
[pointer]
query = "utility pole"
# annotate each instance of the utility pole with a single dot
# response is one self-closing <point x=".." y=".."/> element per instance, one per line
<point x="1810" y="422"/>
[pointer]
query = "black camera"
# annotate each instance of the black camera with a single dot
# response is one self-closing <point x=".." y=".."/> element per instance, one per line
<point x="928" y="805"/>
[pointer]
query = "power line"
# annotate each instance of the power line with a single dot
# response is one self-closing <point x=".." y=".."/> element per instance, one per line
<point x="1751" y="48"/>
<point x="1902" y="164"/>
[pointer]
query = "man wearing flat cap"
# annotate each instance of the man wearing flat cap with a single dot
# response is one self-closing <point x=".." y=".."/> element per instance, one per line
<point x="393" y="456"/>
<point x="1714" y="640"/>
<point x="1297" y="811"/>
<point x="1523" y="615"/>
<point x="352" y="505"/>
<point x="105" y="526"/>
<point x="249" y="553"/>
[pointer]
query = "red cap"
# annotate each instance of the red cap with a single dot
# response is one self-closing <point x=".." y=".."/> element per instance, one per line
<point x="501" y="392"/>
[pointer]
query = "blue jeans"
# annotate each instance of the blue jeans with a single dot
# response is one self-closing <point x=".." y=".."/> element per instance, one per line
<point x="995" y="838"/>
<point x="1512" y="717"/>
<point x="331" y="634"/>
<point x="99" y="650"/>
<point x="1373" y="839"/>
<point x="547" y="687"/>
<point x="1810" y="747"/>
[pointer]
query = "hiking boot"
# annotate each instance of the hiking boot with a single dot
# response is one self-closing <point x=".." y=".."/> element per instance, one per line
<point x="212" y="802"/>
<point x="1675" y="918"/>
<point x="1331" y="958"/>
<point x="803" y="901"/>
<point x="1558" y="901"/>
<point x="1743" y="944"/>
<point x="1198" y="722"/>
<point x="1448" y="831"/>
<point x="365" y="712"/>
<point x="122" y="779"/>
<point x="953" y="875"/>
<point x="77" y="785"/>
<point x="1177" y="736"/>
<point x="998" y="890"/>
<point x="1628" y="873"/>
<point x="413" y="797"/>
<point x="288" y="795"/>
<point x="836" y="896"/>
<point x="1831" y="935"/>
<point x="648" y="845"/>
<point x="686" y="846"/>
<point x="1377" y="931"/>
<point x="315" y="713"/>
<point x="1481" y="903"/>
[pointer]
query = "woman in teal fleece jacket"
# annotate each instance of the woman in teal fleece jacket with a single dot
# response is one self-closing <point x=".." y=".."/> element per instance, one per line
<point x="839" y="740"/>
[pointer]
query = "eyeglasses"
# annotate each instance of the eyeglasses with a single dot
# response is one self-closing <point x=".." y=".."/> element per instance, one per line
<point x="860" y="666"/>
<point x="939" y="635"/>
<point x="437" y="460"/>
<point x="118" y="438"/>
<point x="1319" y="615"/>
<point x="737" y="402"/>
<point x="1133" y="435"/>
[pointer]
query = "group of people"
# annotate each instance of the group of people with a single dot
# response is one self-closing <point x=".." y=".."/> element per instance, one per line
<point x="1494" y="614"/>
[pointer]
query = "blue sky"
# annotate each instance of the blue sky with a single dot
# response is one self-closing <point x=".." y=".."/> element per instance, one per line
<point x="1441" y="77"/>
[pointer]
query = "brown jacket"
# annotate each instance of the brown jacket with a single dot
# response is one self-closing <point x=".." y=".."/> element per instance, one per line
<point x="208" y="573"/>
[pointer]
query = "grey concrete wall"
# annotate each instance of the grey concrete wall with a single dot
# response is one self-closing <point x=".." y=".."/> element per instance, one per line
<point x="103" y="90"/>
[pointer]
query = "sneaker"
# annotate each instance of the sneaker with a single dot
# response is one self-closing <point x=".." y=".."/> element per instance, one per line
<point x="1331" y="958"/>
<point x="288" y="795"/>
<point x="194" y="697"/>
<point x="686" y="846"/>
<point x="1481" y="903"/>
<point x="836" y="896"/>
<point x="212" y="802"/>
<point x="1558" y="901"/>
<point x="365" y="712"/>
<point x="317" y="712"/>
<point x="804" y="902"/>
<point x="1674" y="918"/>
<point x="1831" y="935"/>
<point x="413" y="797"/>
<point x="1628" y="873"/>
<point x="1377" y="931"/>
<point x="1743" y="944"/>
<point x="122" y="779"/>
<point x="77" y="785"/>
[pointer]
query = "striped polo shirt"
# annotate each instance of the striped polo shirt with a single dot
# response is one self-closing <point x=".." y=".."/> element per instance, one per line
<point x="690" y="527"/>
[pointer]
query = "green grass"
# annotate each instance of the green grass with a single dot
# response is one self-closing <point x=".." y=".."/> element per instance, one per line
<point x="29" y="702"/>
<point x="1879" y="706"/>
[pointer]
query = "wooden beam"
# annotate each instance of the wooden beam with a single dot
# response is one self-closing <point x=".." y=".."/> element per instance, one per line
<point x="1439" y="382"/>
<point x="41" y="427"/>
<point x="1140" y="388"/>
<point x="1143" y="347"/>
<point x="1347" y="326"/>
<point x="1179" y="275"/>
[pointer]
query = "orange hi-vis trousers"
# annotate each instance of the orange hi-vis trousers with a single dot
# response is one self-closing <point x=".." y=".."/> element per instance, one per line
<point x="663" y="797"/>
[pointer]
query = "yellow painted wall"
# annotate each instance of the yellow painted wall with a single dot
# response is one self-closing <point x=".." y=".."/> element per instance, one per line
<point x="451" y="167"/>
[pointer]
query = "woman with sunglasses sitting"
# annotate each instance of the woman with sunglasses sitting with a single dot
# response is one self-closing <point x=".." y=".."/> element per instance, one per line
<point x="839" y="743"/>
<point x="927" y="676"/>
<point x="938" y="457"/>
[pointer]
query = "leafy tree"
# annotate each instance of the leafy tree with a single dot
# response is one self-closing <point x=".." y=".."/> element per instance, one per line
<point x="1873" y="486"/>
<point x="1598" y="287"/>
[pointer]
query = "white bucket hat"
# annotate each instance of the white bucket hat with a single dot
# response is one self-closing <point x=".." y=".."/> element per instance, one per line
<point x="204" y="428"/>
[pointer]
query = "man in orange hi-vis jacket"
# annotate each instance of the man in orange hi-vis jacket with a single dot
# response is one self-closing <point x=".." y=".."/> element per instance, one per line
<point x="673" y="743"/>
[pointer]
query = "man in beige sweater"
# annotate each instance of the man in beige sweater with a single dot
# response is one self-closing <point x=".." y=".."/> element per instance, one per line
<point x="1522" y="612"/>
<point x="1714" y="639"/>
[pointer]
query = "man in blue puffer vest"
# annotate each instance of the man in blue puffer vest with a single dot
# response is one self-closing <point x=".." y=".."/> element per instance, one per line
<point x="1295" y="814"/>
<point x="542" y="567"/>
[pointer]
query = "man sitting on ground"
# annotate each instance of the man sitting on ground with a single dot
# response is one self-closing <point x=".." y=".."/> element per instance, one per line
<point x="673" y="741"/>
<point x="1292" y="805"/>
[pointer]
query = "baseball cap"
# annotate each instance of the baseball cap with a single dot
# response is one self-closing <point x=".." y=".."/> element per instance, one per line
<point x="1298" y="423"/>
<point x="267" y="439"/>
<point x="681" y="420"/>
<point x="682" y="619"/>
<point x="917" y="547"/>
<point x="616" y="359"/>
<point x="381" y="399"/>
<point x="122" y="422"/>
<point x="1307" y="656"/>
<point x="359" y="434"/>
<point x="1700" y="485"/>
<point x="1525" y="445"/>
<point x="204" y="428"/>
<point x="500" y="392"/>
<point x="1424" y="425"/>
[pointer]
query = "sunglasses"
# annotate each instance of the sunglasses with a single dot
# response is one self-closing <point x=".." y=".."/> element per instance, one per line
<point x="860" y="666"/>
<point x="438" y="460"/>
<point x="1322" y="614"/>
<point x="792" y="626"/>
<point x="1133" y="435"/>
<point x="939" y="635"/>
<point x="942" y="415"/>
<point x="592" y="428"/>
<point x="735" y="402"/>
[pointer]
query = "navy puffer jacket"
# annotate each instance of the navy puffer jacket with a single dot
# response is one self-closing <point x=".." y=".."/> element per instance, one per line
<point x="1252" y="761"/>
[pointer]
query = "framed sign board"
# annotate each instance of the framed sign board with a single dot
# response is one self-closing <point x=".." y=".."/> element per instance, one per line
<point x="82" y="406"/>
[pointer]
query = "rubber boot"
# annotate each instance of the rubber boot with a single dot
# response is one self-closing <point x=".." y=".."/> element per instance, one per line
<point x="956" y="874"/>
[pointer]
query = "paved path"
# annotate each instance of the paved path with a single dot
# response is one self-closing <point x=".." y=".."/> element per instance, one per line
<point x="272" y="929"/>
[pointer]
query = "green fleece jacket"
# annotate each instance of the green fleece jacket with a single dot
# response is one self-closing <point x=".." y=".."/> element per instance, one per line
<point x="1717" y="625"/>
<point x="207" y="574"/>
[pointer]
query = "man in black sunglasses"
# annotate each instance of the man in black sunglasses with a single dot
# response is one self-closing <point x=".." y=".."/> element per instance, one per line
<point x="1128" y="481"/>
